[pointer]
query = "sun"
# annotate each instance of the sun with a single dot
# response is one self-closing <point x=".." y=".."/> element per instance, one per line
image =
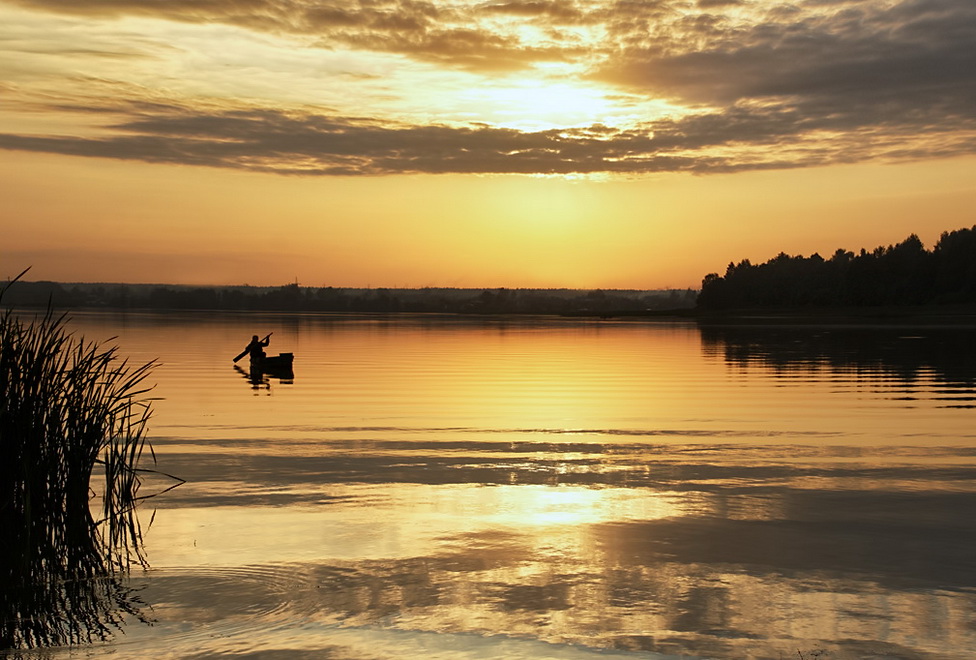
<point x="539" y="104"/>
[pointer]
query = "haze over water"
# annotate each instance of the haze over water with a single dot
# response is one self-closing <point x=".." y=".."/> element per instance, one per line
<point x="445" y="487"/>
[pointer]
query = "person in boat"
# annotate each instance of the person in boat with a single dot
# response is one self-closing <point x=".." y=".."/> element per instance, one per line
<point x="256" y="348"/>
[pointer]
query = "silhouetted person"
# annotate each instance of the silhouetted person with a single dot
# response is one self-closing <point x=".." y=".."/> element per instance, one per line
<point x="256" y="348"/>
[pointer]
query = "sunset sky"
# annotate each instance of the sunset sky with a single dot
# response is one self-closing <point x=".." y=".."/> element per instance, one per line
<point x="475" y="143"/>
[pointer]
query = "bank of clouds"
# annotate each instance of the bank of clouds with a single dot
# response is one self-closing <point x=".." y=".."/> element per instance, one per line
<point x="760" y="85"/>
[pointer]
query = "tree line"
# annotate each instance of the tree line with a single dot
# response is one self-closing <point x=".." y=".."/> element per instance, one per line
<point x="902" y="274"/>
<point x="295" y="298"/>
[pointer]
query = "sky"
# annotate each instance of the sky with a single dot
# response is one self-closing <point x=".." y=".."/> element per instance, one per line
<point x="475" y="143"/>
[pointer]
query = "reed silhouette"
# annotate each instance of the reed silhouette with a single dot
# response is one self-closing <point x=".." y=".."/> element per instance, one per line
<point x="73" y="419"/>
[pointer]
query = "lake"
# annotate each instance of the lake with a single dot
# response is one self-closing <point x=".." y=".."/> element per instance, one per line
<point x="453" y="487"/>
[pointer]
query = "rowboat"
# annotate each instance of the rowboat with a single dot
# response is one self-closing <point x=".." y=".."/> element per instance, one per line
<point x="275" y="366"/>
<point x="279" y="362"/>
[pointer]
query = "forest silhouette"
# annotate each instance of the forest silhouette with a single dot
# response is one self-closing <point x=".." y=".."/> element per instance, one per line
<point x="295" y="298"/>
<point x="896" y="275"/>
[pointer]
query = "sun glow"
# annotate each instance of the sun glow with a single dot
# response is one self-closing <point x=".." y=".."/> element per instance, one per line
<point x="547" y="506"/>
<point x="541" y="105"/>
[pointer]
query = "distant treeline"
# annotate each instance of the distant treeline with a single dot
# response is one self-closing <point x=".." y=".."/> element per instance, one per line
<point x="295" y="298"/>
<point x="902" y="274"/>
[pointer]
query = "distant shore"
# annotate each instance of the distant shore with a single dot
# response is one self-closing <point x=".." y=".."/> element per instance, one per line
<point x="600" y="304"/>
<point x="296" y="298"/>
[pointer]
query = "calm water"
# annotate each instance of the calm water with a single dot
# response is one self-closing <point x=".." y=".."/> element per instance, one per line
<point x="444" y="488"/>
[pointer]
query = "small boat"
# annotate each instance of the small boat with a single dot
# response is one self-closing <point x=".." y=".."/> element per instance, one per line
<point x="276" y="366"/>
<point x="278" y="362"/>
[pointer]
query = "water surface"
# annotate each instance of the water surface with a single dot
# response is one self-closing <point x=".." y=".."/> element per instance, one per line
<point x="442" y="487"/>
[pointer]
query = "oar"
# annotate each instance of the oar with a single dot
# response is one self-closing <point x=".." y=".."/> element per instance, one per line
<point x="244" y="352"/>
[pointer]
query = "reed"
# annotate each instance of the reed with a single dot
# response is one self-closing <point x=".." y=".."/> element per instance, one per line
<point x="73" y="420"/>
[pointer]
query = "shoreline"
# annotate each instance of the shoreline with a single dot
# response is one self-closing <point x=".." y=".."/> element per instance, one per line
<point x="956" y="315"/>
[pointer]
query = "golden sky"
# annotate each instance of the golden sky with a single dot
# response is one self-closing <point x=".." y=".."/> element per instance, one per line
<point x="535" y="143"/>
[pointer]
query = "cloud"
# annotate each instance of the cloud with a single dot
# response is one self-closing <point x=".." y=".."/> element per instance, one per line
<point x="276" y="141"/>
<point x="427" y="31"/>
<point x="558" y="11"/>
<point x="753" y="85"/>
<point x="874" y="62"/>
<point x="462" y="47"/>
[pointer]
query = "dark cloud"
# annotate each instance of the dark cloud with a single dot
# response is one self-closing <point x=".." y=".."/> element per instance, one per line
<point x="558" y="11"/>
<point x="712" y="4"/>
<point x="897" y="79"/>
<point x="873" y="62"/>
<point x="735" y="139"/>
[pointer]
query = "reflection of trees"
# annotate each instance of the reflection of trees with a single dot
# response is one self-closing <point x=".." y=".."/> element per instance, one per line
<point x="65" y="408"/>
<point x="905" y="353"/>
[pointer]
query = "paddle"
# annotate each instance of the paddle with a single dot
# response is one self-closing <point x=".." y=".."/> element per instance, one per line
<point x="245" y="351"/>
